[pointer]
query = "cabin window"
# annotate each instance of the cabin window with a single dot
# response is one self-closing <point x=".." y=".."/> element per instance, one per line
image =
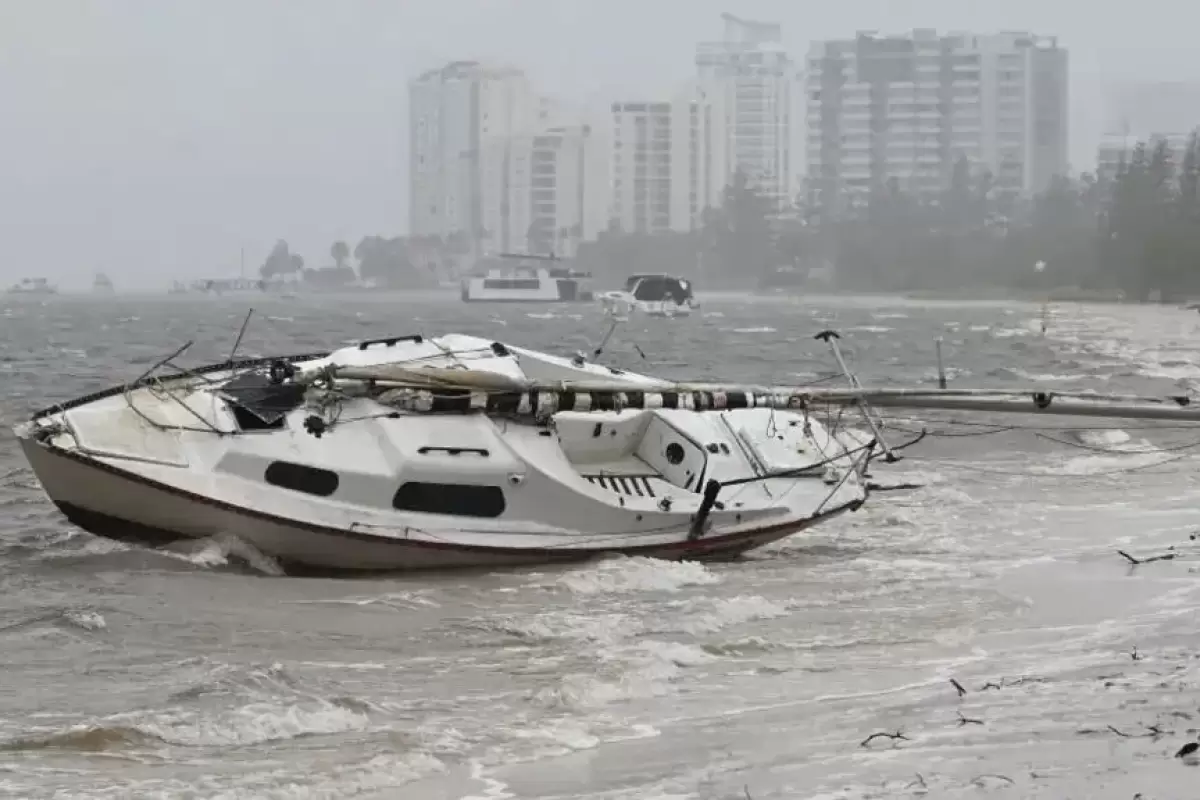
<point x="454" y="499"/>
<point x="301" y="478"/>
<point x="511" y="283"/>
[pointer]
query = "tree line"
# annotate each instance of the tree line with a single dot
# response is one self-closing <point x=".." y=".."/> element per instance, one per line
<point x="398" y="262"/>
<point x="1135" y="233"/>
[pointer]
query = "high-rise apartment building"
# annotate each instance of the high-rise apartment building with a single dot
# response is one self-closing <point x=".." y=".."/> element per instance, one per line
<point x="910" y="106"/>
<point x="746" y="84"/>
<point x="493" y="160"/>
<point x="452" y="112"/>
<point x="658" y="170"/>
<point x="552" y="192"/>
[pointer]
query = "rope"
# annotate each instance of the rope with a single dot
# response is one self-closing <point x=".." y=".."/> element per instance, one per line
<point x="969" y="467"/>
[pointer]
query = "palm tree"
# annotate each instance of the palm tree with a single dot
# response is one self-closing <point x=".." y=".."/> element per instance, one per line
<point x="340" y="251"/>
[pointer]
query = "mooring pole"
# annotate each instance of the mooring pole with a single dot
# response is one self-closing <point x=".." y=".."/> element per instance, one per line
<point x="941" y="367"/>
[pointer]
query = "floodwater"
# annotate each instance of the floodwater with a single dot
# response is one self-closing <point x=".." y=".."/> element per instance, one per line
<point x="196" y="673"/>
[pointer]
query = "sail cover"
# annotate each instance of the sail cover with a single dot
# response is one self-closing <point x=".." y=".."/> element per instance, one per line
<point x="254" y="393"/>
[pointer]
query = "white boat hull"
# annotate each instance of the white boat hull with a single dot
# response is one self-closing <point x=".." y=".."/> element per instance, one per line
<point x="119" y="505"/>
<point x="537" y="286"/>
<point x="164" y="462"/>
<point x="624" y="304"/>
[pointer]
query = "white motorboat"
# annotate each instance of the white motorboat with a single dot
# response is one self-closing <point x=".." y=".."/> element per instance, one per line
<point x="455" y="451"/>
<point x="523" y="283"/>
<point x="33" y="286"/>
<point x="652" y="295"/>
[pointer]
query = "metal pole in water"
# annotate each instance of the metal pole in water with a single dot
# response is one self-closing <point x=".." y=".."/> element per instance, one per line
<point x="941" y="368"/>
<point x="1040" y="267"/>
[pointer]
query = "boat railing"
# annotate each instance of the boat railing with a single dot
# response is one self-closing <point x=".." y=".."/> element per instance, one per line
<point x="157" y="388"/>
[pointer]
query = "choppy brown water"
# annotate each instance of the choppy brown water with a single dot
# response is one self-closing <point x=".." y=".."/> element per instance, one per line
<point x="130" y="673"/>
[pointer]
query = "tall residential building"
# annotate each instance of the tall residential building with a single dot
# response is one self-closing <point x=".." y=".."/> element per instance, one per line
<point x="659" y="178"/>
<point x="494" y="161"/>
<point x="909" y="106"/>
<point x="1117" y="149"/>
<point x="746" y="83"/>
<point x="551" y="192"/>
<point x="454" y="112"/>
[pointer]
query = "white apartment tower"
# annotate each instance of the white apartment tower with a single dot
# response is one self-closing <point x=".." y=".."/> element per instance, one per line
<point x="494" y="161"/>
<point x="746" y="84"/>
<point x="909" y="106"/>
<point x="658" y="172"/>
<point x="552" y="190"/>
<point x="454" y="112"/>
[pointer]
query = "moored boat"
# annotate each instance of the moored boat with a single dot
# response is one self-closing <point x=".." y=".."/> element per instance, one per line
<point x="528" y="282"/>
<point x="456" y="451"/>
<point x="33" y="286"/>
<point x="654" y="295"/>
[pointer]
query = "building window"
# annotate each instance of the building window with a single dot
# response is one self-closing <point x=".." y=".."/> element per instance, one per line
<point x="301" y="478"/>
<point x="454" y="499"/>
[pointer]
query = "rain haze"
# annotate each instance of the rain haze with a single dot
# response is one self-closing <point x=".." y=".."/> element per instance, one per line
<point x="154" y="140"/>
<point x="599" y="399"/>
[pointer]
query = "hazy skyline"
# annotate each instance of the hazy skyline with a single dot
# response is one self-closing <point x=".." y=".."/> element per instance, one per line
<point x="151" y="140"/>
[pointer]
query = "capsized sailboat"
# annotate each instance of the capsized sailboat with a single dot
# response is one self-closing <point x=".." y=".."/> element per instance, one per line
<point x="414" y="452"/>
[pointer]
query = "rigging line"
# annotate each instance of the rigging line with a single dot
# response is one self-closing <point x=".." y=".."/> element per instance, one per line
<point x="967" y="466"/>
<point x="964" y="435"/>
<point x="1116" y="451"/>
<point x="798" y="472"/>
<point x="241" y="333"/>
<point x="1049" y="427"/>
<point x="853" y="470"/>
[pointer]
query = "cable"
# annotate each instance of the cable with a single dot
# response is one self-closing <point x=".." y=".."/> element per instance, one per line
<point x="1016" y="474"/>
<point x="1116" y="451"/>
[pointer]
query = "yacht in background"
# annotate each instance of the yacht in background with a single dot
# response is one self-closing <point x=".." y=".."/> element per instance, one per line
<point x="103" y="284"/>
<point x="33" y="286"/>
<point x="495" y="282"/>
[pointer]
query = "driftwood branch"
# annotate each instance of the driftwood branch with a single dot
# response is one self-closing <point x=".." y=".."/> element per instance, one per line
<point x="894" y="487"/>
<point x="1138" y="561"/>
<point x="959" y="687"/>
<point x="967" y="720"/>
<point x="897" y="736"/>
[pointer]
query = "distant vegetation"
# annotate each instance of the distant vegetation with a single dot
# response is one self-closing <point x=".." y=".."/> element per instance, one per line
<point x="1137" y="233"/>
<point x="399" y="262"/>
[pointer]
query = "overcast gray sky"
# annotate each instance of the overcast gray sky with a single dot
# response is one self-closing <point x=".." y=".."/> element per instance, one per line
<point x="153" y="138"/>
